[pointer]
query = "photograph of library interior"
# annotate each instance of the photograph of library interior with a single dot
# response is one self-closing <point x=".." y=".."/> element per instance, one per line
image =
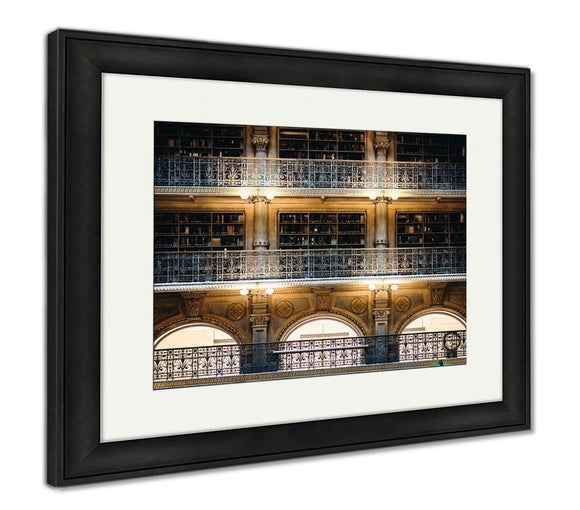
<point x="305" y="251"/>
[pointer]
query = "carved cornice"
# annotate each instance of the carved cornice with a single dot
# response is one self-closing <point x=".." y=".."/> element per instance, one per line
<point x="180" y="287"/>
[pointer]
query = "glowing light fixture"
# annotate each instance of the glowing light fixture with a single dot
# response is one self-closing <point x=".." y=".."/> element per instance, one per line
<point x="395" y="196"/>
<point x="244" y="292"/>
<point x="269" y="291"/>
<point x="372" y="286"/>
<point x="394" y="286"/>
<point x="270" y="195"/>
<point x="245" y="195"/>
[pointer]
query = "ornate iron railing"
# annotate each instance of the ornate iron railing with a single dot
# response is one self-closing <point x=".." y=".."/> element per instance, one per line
<point x="214" y="172"/>
<point x="298" y="355"/>
<point x="226" y="266"/>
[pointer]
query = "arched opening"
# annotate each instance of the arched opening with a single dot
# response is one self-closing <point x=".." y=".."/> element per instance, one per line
<point x="324" y="341"/>
<point x="323" y="326"/>
<point x="195" y="351"/>
<point x="433" y="335"/>
<point x="194" y="335"/>
<point x="432" y="322"/>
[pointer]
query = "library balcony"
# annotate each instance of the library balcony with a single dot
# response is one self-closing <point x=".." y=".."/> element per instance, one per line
<point x="299" y="358"/>
<point x="219" y="269"/>
<point x="230" y="176"/>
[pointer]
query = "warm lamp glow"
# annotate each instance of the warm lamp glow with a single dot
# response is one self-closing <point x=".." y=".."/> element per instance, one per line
<point x="269" y="291"/>
<point x="394" y="286"/>
<point x="244" y="292"/>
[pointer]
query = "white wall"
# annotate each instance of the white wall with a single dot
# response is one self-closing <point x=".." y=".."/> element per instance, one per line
<point x="523" y="469"/>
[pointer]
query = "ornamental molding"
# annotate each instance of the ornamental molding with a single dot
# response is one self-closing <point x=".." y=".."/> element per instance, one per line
<point x="186" y="191"/>
<point x="437" y="292"/>
<point x="359" y="305"/>
<point x="192" y="306"/>
<point x="284" y="309"/>
<point x="402" y="304"/>
<point x="236" y="311"/>
<point x="180" y="287"/>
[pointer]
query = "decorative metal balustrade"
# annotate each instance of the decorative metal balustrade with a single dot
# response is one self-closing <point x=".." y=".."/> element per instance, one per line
<point x="228" y="266"/>
<point x="197" y="363"/>
<point x="214" y="172"/>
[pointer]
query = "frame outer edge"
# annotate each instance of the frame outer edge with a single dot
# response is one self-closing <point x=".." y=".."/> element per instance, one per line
<point x="54" y="257"/>
<point x="93" y="467"/>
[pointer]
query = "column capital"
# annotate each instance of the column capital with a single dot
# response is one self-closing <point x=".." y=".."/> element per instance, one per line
<point x="261" y="143"/>
<point x="258" y="198"/>
<point x="259" y="321"/>
<point x="381" y="314"/>
<point x="382" y="147"/>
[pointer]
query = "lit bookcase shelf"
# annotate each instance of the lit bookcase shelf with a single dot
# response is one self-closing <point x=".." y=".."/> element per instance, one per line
<point x="198" y="140"/>
<point x="199" y="231"/>
<point x="304" y="230"/>
<point x="431" y="229"/>
<point x="430" y="148"/>
<point x="300" y="143"/>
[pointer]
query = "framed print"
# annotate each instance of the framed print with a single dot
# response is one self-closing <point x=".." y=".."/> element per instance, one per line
<point x="260" y="253"/>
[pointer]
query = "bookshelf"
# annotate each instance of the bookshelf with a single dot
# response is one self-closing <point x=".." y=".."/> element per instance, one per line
<point x="199" y="140"/>
<point x="199" y="231"/>
<point x="313" y="230"/>
<point x="302" y="143"/>
<point x="430" y="148"/>
<point x="430" y="229"/>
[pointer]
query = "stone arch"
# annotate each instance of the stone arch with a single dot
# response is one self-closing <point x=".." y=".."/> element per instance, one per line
<point x="174" y="326"/>
<point x="416" y="314"/>
<point x="307" y="317"/>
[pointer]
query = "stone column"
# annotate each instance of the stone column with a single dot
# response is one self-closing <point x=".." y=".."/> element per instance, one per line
<point x="259" y="320"/>
<point x="381" y="240"/>
<point x="260" y="223"/>
<point x="382" y="144"/>
<point x="261" y="140"/>
<point x="384" y="352"/>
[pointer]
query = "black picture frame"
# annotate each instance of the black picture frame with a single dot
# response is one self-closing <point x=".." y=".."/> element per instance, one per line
<point x="76" y="61"/>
